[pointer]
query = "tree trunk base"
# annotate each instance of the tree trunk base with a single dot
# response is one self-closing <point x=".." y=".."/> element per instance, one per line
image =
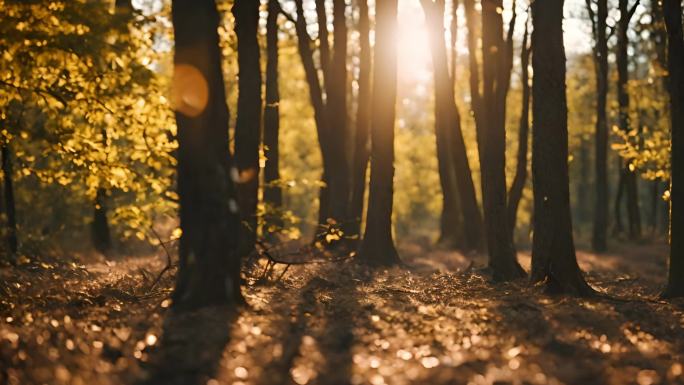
<point x="672" y="291"/>
<point x="378" y="254"/>
<point x="510" y="272"/>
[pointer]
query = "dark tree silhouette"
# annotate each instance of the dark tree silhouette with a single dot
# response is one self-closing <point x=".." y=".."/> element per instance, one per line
<point x="489" y="108"/>
<point x="330" y="109"/>
<point x="9" y="203"/>
<point x="553" y="249"/>
<point x="600" y="50"/>
<point x="248" y="121"/>
<point x="377" y="247"/>
<point x="461" y="223"/>
<point x="628" y="175"/>
<point x="273" y="194"/>
<point x="520" y="178"/>
<point x="209" y="267"/>
<point x="99" y="228"/>
<point x="336" y="91"/>
<point x="672" y="10"/>
<point x="361" y="135"/>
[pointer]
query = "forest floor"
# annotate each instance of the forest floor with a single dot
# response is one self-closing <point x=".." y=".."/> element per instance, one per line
<point x="436" y="320"/>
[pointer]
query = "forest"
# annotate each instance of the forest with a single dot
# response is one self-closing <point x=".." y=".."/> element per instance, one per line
<point x="342" y="192"/>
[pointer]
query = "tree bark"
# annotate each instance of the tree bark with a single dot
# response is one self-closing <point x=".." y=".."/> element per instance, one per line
<point x="518" y="185"/>
<point x="361" y="138"/>
<point x="209" y="266"/>
<point x="336" y="104"/>
<point x="12" y="238"/>
<point x="273" y="193"/>
<point x="451" y="220"/>
<point x="316" y="96"/>
<point x="496" y="72"/>
<point x="600" y="51"/>
<point x="583" y="183"/>
<point x="323" y="41"/>
<point x="553" y="250"/>
<point x="458" y="191"/>
<point x="248" y="122"/>
<point x="673" y="21"/>
<point x="629" y="172"/>
<point x="618" y="227"/>
<point x="377" y="247"/>
<point x="474" y="78"/>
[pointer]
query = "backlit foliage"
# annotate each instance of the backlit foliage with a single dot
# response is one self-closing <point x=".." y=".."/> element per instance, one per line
<point x="83" y="107"/>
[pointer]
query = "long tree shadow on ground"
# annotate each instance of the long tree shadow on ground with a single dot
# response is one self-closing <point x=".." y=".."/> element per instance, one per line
<point x="319" y="337"/>
<point x="191" y="347"/>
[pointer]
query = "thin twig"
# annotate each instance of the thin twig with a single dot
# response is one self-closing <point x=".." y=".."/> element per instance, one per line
<point x="168" y="259"/>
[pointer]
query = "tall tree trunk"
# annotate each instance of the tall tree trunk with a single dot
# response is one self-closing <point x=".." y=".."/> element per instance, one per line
<point x="655" y="199"/>
<point x="361" y="136"/>
<point x="583" y="183"/>
<point x="619" y="227"/>
<point x="273" y="193"/>
<point x="377" y="247"/>
<point x="673" y="21"/>
<point x="316" y="96"/>
<point x="336" y="91"/>
<point x="453" y="29"/>
<point x="99" y="228"/>
<point x="209" y="267"/>
<point x="630" y="176"/>
<point x="518" y="185"/>
<point x="458" y="191"/>
<point x="496" y="72"/>
<point x="474" y="79"/>
<point x="323" y="42"/>
<point x="599" y="25"/>
<point x="248" y="122"/>
<point x="10" y="206"/>
<point x="553" y="250"/>
<point x="324" y="60"/>
<point x="451" y="221"/>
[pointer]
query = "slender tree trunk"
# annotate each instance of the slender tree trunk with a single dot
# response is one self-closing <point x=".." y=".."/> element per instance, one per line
<point x="324" y="198"/>
<point x="248" y="122"/>
<point x="451" y="222"/>
<point x="518" y="185"/>
<point x="337" y="109"/>
<point x="496" y="71"/>
<point x="361" y="138"/>
<point x="672" y="10"/>
<point x="655" y="198"/>
<point x="10" y="206"/>
<point x="583" y="183"/>
<point x="600" y="230"/>
<point x="377" y="247"/>
<point x="323" y="41"/>
<point x="209" y="267"/>
<point x="316" y="96"/>
<point x="461" y="220"/>
<point x="630" y="177"/>
<point x="99" y="227"/>
<point x="454" y="39"/>
<point x="553" y="250"/>
<point x="619" y="228"/>
<point x="273" y="193"/>
<point x="474" y="79"/>
<point x="100" y="233"/>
